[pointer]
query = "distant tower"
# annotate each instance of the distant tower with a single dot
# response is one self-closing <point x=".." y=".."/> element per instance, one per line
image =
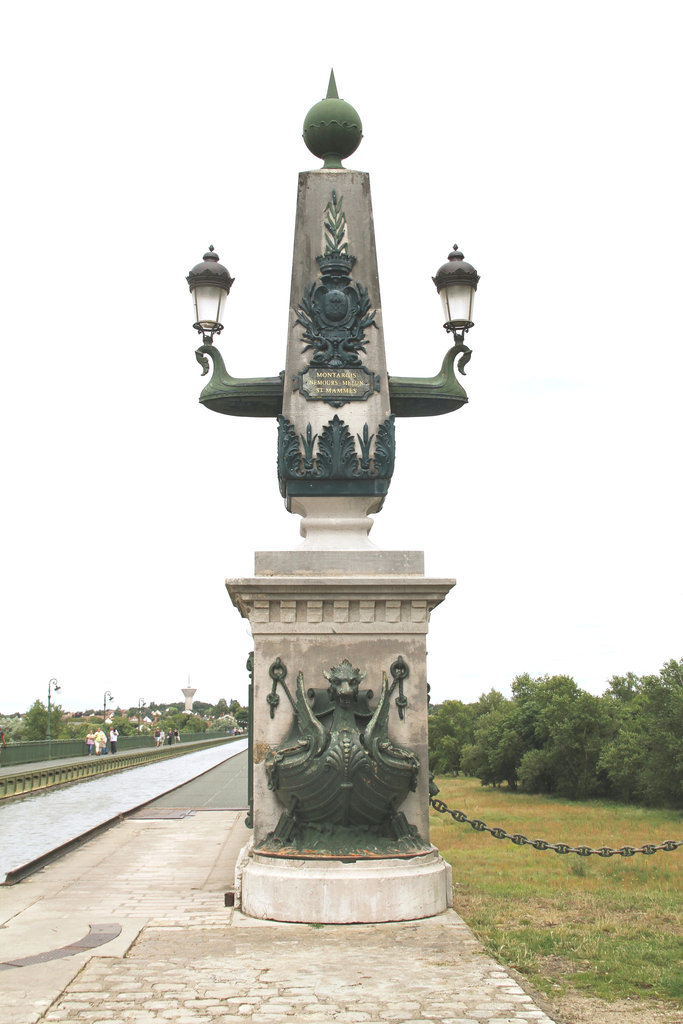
<point x="188" y="694"/>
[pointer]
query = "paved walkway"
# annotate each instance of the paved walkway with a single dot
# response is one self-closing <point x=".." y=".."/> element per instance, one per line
<point x="183" y="957"/>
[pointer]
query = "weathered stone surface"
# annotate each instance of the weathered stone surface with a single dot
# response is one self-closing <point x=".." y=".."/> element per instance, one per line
<point x="313" y="623"/>
<point x="358" y="379"/>
<point x="307" y="562"/>
<point x="332" y="892"/>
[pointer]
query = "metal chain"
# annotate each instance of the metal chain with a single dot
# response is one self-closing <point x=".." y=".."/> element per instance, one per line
<point x="669" y="845"/>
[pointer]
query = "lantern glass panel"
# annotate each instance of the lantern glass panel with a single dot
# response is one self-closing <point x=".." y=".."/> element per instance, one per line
<point x="457" y="301"/>
<point x="208" y="303"/>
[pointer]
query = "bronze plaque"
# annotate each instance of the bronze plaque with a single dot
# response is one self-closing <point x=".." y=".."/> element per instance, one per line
<point x="336" y="386"/>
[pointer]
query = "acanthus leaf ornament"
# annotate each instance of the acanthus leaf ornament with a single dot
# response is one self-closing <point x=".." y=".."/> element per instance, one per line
<point x="385" y="449"/>
<point x="332" y="454"/>
<point x="365" y="441"/>
<point x="288" y="453"/>
<point x="308" y="440"/>
<point x="337" y="457"/>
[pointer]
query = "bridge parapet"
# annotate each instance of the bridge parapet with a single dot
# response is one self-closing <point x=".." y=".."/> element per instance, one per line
<point x="46" y="774"/>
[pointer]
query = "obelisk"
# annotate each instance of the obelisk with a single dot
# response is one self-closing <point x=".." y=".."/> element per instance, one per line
<point x="339" y="741"/>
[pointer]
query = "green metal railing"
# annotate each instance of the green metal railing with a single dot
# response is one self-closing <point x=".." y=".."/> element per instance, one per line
<point x="59" y="772"/>
<point x="30" y="751"/>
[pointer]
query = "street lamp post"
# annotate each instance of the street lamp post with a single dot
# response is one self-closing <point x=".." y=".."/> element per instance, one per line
<point x="107" y="696"/>
<point x="340" y="767"/>
<point x="52" y="685"/>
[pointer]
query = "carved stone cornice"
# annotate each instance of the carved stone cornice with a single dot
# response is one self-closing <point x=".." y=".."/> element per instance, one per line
<point x="336" y="605"/>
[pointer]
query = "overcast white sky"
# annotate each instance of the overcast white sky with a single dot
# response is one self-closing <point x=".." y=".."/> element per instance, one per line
<point x="543" y="138"/>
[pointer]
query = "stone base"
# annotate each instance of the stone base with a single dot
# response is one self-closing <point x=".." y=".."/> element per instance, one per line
<point x="311" y="622"/>
<point x="372" y="562"/>
<point x="335" y="892"/>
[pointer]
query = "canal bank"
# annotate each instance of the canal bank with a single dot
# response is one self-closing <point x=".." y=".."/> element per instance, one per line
<point x="29" y="778"/>
<point x="40" y="826"/>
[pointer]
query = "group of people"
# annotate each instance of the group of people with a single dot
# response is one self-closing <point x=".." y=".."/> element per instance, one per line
<point x="96" y="741"/>
<point x="160" y="737"/>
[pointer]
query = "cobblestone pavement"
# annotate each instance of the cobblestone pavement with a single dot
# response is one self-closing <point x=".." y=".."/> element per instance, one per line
<point x="344" y="974"/>
<point x="182" y="957"/>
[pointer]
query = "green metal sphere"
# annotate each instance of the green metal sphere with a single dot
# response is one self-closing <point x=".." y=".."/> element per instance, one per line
<point x="332" y="128"/>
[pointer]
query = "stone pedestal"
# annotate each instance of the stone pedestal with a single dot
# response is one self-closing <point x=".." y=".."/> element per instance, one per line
<point x="313" y="609"/>
<point x="336" y="892"/>
<point x="341" y="523"/>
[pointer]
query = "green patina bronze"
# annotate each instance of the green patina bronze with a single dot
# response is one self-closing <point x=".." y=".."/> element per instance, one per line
<point x="336" y="387"/>
<point x="335" y="314"/>
<point x="278" y="673"/>
<point x="249" y="819"/>
<point x="262" y="396"/>
<point x="339" y="776"/>
<point x="399" y="673"/>
<point x="238" y="396"/>
<point x="332" y="128"/>
<point x="431" y="396"/>
<point x="331" y="460"/>
<point x="335" y="228"/>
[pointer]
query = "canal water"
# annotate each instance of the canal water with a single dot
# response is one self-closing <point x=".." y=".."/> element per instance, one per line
<point x="33" y="825"/>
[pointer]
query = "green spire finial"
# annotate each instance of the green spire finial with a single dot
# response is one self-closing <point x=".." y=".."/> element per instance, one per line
<point x="332" y="93"/>
<point x="332" y="128"/>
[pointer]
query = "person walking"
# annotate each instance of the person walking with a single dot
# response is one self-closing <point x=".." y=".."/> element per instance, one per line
<point x="90" y="742"/>
<point x="176" y="736"/>
<point x="113" y="739"/>
<point x="100" y="741"/>
<point x="156" y="736"/>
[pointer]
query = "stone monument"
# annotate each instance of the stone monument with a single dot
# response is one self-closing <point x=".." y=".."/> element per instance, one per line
<point x="339" y="757"/>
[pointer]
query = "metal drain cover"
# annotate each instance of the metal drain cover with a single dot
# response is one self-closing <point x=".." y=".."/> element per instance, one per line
<point x="97" y="936"/>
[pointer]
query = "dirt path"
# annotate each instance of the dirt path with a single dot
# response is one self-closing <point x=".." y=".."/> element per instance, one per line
<point x="576" y="1008"/>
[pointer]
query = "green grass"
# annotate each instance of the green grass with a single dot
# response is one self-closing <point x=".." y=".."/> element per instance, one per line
<point x="612" y="928"/>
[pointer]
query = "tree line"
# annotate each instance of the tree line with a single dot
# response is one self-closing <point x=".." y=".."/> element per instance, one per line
<point x="553" y="737"/>
<point x="32" y="725"/>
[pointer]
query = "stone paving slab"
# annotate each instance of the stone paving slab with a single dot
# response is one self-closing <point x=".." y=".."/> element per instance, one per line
<point x="184" y="958"/>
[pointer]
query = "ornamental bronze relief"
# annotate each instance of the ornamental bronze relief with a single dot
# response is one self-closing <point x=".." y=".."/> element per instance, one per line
<point x="338" y="774"/>
<point x="335" y="454"/>
<point x="335" y="314"/>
